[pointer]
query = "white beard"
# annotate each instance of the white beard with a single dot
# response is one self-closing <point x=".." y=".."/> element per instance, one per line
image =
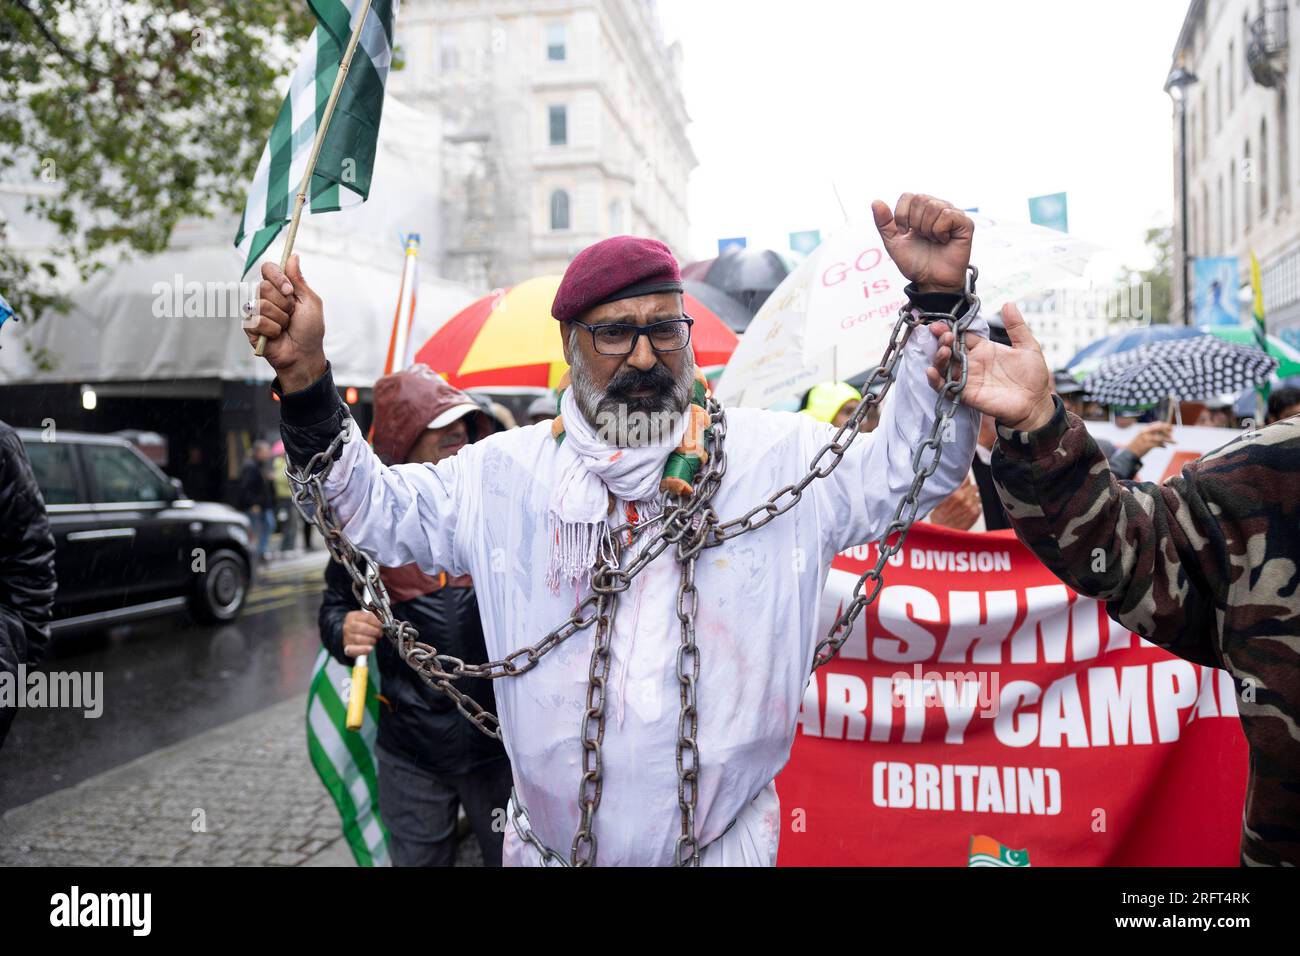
<point x="617" y="423"/>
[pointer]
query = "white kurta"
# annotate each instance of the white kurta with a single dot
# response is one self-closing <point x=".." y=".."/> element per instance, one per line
<point x="483" y="513"/>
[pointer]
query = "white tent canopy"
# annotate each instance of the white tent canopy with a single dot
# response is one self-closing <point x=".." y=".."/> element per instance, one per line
<point x="113" y="333"/>
<point x="176" y="315"/>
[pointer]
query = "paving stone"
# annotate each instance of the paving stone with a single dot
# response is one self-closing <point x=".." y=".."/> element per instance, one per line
<point x="262" y="805"/>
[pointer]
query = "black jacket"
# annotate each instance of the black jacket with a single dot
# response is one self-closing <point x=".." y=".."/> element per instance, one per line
<point x="254" y="487"/>
<point x="416" y="721"/>
<point x="26" y="559"/>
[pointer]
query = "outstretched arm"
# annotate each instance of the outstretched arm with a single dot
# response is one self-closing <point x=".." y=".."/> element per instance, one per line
<point x="1146" y="550"/>
<point x="397" y="516"/>
<point x="862" y="493"/>
<point x="930" y="242"/>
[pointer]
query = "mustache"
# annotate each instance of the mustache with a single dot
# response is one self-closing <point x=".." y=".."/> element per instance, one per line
<point x="656" y="378"/>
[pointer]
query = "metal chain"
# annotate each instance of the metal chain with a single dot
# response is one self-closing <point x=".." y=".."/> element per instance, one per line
<point x="309" y="497"/>
<point x="688" y="720"/>
<point x="691" y="525"/>
<point x="945" y="407"/>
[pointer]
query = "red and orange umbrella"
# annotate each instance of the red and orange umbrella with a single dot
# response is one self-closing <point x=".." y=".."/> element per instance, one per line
<point x="508" y="338"/>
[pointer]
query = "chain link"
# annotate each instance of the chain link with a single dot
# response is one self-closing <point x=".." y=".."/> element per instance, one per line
<point x="688" y="720"/>
<point x="691" y="525"/>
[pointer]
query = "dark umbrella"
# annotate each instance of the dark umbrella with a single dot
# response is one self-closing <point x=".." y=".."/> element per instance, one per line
<point x="1094" y="352"/>
<point x="748" y="275"/>
<point x="1190" y="369"/>
<point x="728" y="309"/>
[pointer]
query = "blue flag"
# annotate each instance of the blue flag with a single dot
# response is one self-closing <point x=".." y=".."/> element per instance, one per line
<point x="6" y="311"/>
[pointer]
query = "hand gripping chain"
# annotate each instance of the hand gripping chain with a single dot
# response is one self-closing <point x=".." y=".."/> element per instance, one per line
<point x="689" y="524"/>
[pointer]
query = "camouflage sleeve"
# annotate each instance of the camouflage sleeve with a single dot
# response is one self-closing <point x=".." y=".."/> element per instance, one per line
<point x="1154" y="553"/>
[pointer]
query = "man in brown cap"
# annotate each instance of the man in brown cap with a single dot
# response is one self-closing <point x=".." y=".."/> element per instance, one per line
<point x="431" y="761"/>
<point x="655" y="737"/>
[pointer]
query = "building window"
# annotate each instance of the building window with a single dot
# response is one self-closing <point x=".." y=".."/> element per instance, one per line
<point x="1232" y="61"/>
<point x="1263" y="168"/>
<point x="1283" y="160"/>
<point x="1192" y="223"/>
<point x="559" y="125"/>
<point x="1223" y="239"/>
<point x="1205" y="219"/>
<point x="1191" y="136"/>
<point x="616" y="218"/>
<point x="1232" y="202"/>
<point x="1245" y="45"/>
<point x="555" y="49"/>
<point x="1218" y="98"/>
<point x="559" y="210"/>
<point x="1205" y="124"/>
<point x="1247" y="177"/>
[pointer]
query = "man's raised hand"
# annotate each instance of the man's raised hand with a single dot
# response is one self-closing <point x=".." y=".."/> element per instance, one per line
<point x="928" y="239"/>
<point x="292" y="318"/>
<point x="1011" y="384"/>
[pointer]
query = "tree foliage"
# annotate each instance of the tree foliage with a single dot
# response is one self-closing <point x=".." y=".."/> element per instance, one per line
<point x="1157" y="276"/>
<point x="126" y="116"/>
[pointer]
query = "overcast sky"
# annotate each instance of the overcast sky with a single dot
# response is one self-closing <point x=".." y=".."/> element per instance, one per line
<point x="982" y="103"/>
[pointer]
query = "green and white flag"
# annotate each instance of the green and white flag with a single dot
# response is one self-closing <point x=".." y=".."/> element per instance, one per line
<point x="347" y="157"/>
<point x="345" y="759"/>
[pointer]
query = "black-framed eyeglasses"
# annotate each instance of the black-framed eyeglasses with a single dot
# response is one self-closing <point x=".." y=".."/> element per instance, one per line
<point x="618" y="338"/>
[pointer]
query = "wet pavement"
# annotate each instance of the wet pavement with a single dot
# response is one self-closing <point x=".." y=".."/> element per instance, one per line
<point x="167" y="680"/>
<point x="200" y="755"/>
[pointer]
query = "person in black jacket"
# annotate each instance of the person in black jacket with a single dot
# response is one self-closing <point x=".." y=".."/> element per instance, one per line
<point x="26" y="566"/>
<point x="257" y="496"/>
<point x="431" y="760"/>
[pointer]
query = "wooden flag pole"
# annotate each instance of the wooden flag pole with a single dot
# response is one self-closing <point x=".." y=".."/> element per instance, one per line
<point x="301" y="198"/>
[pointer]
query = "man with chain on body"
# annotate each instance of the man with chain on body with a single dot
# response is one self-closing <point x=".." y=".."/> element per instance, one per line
<point x="674" y="716"/>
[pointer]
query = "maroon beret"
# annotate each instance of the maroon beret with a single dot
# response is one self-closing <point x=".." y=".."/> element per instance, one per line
<point x="613" y="269"/>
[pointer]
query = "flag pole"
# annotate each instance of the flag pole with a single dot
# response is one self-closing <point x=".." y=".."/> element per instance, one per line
<point x="301" y="198"/>
<point x="397" y="314"/>
<point x="1263" y="389"/>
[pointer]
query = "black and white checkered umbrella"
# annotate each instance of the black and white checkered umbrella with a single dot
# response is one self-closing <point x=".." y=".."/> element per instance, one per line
<point x="1190" y="369"/>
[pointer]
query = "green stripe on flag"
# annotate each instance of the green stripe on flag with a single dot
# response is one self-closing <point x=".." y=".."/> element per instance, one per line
<point x="282" y="146"/>
<point x="362" y="762"/>
<point x="335" y="17"/>
<point x="345" y="760"/>
<point x="345" y="166"/>
<point x="342" y="799"/>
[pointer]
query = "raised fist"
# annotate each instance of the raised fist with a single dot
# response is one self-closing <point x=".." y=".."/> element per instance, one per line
<point x="928" y="239"/>
<point x="292" y="318"/>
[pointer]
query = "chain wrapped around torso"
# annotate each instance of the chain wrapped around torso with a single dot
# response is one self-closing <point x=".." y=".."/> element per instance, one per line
<point x="689" y="525"/>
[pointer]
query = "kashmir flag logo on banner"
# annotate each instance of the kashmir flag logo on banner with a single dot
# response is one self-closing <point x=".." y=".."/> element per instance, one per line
<point x="345" y="760"/>
<point x="986" y="851"/>
<point x="341" y="177"/>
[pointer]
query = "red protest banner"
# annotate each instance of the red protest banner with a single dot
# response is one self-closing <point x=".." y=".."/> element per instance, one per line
<point x="977" y="698"/>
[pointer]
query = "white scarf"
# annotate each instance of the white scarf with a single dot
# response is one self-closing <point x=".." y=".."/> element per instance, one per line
<point x="590" y="471"/>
